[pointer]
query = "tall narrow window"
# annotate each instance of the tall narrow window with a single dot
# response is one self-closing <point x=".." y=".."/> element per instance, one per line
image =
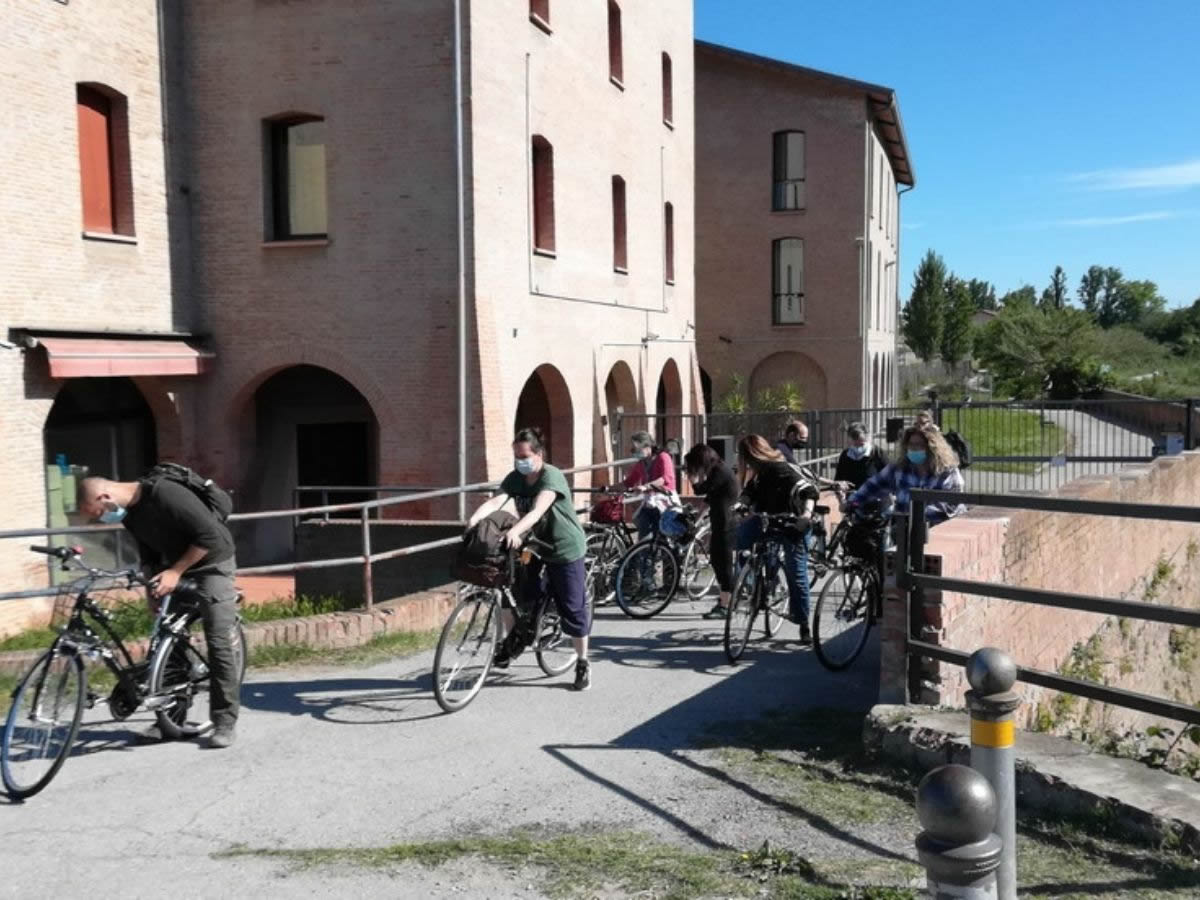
<point x="616" y="69"/>
<point x="296" y="161"/>
<point x="539" y="13"/>
<point x="105" y="177"/>
<point x="620" y="244"/>
<point x="543" y="195"/>
<point x="787" y="281"/>
<point x="667" y="89"/>
<point x="669" y="238"/>
<point x="789" y="171"/>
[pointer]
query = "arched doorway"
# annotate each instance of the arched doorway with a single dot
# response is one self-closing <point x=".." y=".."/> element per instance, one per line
<point x="545" y="403"/>
<point x="668" y="405"/>
<point x="706" y="388"/>
<point x="310" y="427"/>
<point x="620" y="397"/>
<point x="797" y="368"/>
<point x="97" y="426"/>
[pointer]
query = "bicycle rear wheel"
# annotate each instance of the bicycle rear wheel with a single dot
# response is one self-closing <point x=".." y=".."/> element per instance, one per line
<point x="42" y="722"/>
<point x="777" y="601"/>
<point x="842" y="620"/>
<point x="699" y="576"/>
<point x="743" y="609"/>
<point x="466" y="649"/>
<point x="605" y="547"/>
<point x="178" y="673"/>
<point x="553" y="647"/>
<point x="647" y="579"/>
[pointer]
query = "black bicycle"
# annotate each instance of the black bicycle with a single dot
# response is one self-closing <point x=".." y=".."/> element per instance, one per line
<point x="761" y="587"/>
<point x="469" y="639"/>
<point x="48" y="703"/>
<point x="609" y="538"/>
<point x="652" y="570"/>
<point x="851" y="599"/>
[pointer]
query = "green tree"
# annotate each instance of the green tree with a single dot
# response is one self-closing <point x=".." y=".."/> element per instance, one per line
<point x="983" y="294"/>
<point x="1025" y="295"/>
<point x="956" y="331"/>
<point x="1034" y="353"/>
<point x="1136" y="300"/>
<point x="1090" y="286"/>
<point x="1055" y="296"/>
<point x="1110" y="298"/>
<point x="924" y="315"/>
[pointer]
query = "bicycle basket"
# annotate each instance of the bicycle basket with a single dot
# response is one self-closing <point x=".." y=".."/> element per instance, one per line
<point x="673" y="523"/>
<point x="609" y="512"/>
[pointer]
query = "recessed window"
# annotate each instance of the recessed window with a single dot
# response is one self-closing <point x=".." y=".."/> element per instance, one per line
<point x="668" y="102"/>
<point x="789" y="171"/>
<point x="616" y="67"/>
<point x="105" y="177"/>
<point x="539" y="14"/>
<point x="298" y="207"/>
<point x="787" y="281"/>
<point x="620" y="242"/>
<point x="543" y="195"/>
<point x="669" y="238"/>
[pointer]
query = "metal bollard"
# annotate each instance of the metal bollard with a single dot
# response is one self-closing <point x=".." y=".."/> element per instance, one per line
<point x="958" y="849"/>
<point x="992" y="702"/>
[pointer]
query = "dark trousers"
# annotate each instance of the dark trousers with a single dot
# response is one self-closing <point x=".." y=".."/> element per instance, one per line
<point x="217" y="600"/>
<point x="566" y="583"/>
<point x="795" y="568"/>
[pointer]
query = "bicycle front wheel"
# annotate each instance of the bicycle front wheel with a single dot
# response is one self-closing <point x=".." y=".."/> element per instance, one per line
<point x="778" y="599"/>
<point x="42" y="723"/>
<point x="553" y="647"/>
<point x="842" y="620"/>
<point x="466" y="649"/>
<point x="647" y="579"/>
<point x="699" y="576"/>
<point x="605" y="548"/>
<point x="743" y="609"/>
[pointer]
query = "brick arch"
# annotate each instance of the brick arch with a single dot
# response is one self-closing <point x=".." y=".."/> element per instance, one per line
<point x="620" y="389"/>
<point x="790" y="365"/>
<point x="545" y="403"/>
<point x="668" y="403"/>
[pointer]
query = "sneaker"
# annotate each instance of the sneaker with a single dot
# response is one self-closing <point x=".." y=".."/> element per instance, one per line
<point x="583" y="676"/>
<point x="223" y="736"/>
<point x="805" y="635"/>
<point x="717" y="612"/>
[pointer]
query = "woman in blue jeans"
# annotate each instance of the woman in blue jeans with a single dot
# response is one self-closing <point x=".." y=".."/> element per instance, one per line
<point x="770" y="485"/>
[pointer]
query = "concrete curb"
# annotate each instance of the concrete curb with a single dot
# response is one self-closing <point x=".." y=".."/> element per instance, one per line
<point x="1055" y="776"/>
<point x="425" y="611"/>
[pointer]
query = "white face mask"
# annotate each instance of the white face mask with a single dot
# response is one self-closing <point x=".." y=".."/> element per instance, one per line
<point x="856" y="452"/>
<point x="526" y="466"/>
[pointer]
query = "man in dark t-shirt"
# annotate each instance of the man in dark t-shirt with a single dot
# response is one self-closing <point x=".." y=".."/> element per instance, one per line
<point x="178" y="535"/>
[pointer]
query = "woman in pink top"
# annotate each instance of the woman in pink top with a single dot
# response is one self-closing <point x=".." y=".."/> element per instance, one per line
<point x="653" y="475"/>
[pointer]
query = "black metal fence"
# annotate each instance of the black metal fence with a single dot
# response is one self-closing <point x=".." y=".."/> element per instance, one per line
<point x="914" y="581"/>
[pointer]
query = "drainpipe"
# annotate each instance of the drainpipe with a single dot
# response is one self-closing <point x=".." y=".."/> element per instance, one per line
<point x="462" y="262"/>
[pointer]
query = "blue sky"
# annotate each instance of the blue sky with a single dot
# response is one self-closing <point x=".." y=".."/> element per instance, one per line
<point x="1054" y="133"/>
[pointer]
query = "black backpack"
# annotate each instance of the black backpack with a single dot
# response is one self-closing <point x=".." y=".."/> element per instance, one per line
<point x="213" y="496"/>
<point x="961" y="448"/>
<point x="483" y="558"/>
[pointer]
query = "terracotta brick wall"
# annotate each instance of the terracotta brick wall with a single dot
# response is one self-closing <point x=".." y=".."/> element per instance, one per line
<point x="1093" y="555"/>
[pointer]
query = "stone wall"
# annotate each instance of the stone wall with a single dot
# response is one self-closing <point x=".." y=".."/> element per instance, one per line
<point x="1152" y="561"/>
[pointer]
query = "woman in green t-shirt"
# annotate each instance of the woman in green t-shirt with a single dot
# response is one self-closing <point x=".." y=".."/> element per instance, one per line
<point x="546" y="509"/>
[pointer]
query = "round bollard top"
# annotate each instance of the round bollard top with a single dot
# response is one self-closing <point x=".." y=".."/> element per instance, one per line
<point x="991" y="671"/>
<point x="956" y="805"/>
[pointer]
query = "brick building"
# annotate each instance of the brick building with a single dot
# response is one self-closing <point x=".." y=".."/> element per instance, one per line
<point x="797" y="229"/>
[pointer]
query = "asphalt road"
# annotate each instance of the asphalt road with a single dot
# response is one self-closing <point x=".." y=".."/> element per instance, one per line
<point x="364" y="757"/>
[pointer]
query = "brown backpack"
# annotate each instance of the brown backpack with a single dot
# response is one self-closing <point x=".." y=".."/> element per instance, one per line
<point x="483" y="559"/>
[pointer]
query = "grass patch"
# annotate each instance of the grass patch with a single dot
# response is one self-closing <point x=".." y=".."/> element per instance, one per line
<point x="1005" y="432"/>
<point x="580" y="863"/>
<point x="379" y="648"/>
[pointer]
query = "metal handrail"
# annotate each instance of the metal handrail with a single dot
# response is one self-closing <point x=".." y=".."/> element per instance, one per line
<point x="914" y="580"/>
<point x="365" y="559"/>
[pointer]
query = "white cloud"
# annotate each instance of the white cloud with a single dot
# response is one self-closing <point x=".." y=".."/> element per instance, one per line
<point x="1104" y="221"/>
<point x="1176" y="176"/>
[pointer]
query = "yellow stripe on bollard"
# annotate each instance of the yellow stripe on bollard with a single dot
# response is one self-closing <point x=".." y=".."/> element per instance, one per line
<point x="991" y="734"/>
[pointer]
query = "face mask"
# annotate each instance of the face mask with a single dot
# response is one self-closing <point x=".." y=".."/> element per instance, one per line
<point x="526" y="466"/>
<point x="644" y="452"/>
<point x="916" y="457"/>
<point x="800" y="442"/>
<point x="114" y="515"/>
<point x="858" y="452"/>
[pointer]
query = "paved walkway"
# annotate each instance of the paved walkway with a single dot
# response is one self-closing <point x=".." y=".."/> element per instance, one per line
<point x="361" y="757"/>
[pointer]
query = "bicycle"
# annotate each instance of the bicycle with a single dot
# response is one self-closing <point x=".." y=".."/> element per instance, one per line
<point x="761" y="586"/>
<point x="649" y="574"/>
<point x="851" y="600"/>
<point x="50" y="698"/>
<point x="469" y="638"/>
<point x="609" y="537"/>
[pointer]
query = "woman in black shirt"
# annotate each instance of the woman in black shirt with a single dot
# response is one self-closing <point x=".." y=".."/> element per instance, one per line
<point x="714" y="481"/>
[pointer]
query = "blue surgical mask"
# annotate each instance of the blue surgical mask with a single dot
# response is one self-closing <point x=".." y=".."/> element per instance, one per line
<point x="857" y="452"/>
<point x="916" y="457"/>
<point x="526" y="466"/>
<point x="113" y="516"/>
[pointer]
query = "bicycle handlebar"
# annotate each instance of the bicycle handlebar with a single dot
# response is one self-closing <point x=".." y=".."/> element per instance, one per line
<point x="75" y="554"/>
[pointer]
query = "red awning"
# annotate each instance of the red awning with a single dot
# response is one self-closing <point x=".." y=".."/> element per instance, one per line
<point x="96" y="357"/>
